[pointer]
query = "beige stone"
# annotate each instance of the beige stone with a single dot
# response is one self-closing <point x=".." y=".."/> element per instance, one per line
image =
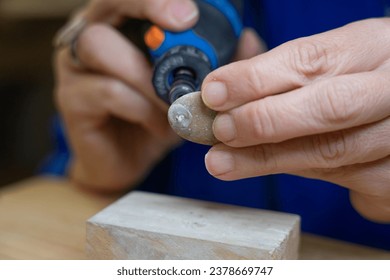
<point x="151" y="226"/>
<point x="191" y="119"/>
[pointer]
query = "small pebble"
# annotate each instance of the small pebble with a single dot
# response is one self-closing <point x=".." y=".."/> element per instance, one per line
<point x="192" y="120"/>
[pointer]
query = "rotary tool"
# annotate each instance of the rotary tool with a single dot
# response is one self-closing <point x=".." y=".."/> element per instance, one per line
<point x="183" y="59"/>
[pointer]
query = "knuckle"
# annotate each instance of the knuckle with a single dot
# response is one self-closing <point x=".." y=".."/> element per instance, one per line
<point x="330" y="150"/>
<point x="254" y="79"/>
<point x="111" y="90"/>
<point x="311" y="58"/>
<point x="90" y="32"/>
<point x="264" y="154"/>
<point x="263" y="126"/>
<point x="335" y="104"/>
<point x="86" y="40"/>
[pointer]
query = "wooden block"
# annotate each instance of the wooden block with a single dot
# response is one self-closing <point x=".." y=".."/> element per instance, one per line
<point x="152" y="226"/>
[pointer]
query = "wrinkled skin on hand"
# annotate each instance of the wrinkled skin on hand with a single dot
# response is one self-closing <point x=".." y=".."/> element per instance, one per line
<point x="117" y="127"/>
<point x="317" y="107"/>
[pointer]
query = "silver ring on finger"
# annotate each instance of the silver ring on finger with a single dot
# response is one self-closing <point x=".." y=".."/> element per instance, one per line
<point x="68" y="35"/>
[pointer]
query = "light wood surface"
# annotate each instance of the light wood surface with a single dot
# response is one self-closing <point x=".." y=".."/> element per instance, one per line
<point x="144" y="225"/>
<point x="44" y="218"/>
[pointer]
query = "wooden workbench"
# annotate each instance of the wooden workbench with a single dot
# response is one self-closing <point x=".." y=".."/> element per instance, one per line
<point x="44" y="218"/>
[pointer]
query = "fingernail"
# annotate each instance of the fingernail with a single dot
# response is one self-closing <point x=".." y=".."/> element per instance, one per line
<point x="224" y="128"/>
<point x="215" y="94"/>
<point x="219" y="162"/>
<point x="183" y="11"/>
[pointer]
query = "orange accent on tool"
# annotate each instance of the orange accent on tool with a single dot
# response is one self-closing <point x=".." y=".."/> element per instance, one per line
<point x="154" y="37"/>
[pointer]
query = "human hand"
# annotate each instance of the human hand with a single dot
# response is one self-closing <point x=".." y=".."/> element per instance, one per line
<point x="317" y="107"/>
<point x="116" y="125"/>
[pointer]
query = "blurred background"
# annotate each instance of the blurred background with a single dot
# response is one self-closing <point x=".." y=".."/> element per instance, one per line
<point x="27" y="28"/>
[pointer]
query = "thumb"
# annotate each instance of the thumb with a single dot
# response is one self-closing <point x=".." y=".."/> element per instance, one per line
<point x="229" y="76"/>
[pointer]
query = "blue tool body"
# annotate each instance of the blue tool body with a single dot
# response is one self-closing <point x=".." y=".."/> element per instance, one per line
<point x="183" y="59"/>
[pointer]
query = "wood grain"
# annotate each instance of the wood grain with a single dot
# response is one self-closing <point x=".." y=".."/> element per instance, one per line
<point x="152" y="226"/>
<point x="44" y="218"/>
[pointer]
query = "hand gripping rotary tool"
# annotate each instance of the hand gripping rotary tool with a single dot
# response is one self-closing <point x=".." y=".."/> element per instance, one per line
<point x="183" y="59"/>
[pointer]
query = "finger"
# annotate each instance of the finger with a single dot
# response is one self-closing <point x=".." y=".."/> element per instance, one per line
<point x="250" y="45"/>
<point x="327" y="151"/>
<point x="95" y="98"/>
<point x="298" y="63"/>
<point x="172" y="14"/>
<point x="368" y="182"/>
<point x="98" y="48"/>
<point x="329" y="105"/>
<point x="376" y="208"/>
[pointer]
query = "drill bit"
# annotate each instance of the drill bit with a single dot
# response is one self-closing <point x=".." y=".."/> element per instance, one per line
<point x="191" y="119"/>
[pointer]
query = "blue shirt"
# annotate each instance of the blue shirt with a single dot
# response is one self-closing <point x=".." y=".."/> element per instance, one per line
<point x="324" y="208"/>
